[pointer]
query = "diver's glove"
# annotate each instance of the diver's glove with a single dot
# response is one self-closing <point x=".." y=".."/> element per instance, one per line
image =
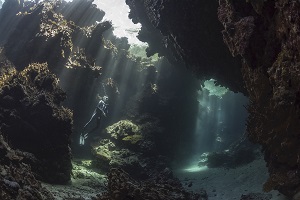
<point x="82" y="138"/>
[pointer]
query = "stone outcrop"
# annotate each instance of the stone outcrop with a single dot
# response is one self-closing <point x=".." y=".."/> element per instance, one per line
<point x="188" y="32"/>
<point x="119" y="148"/>
<point x="128" y="146"/>
<point x="33" y="120"/>
<point x="266" y="35"/>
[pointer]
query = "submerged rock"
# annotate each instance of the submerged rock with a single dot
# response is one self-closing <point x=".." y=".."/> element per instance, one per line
<point x="34" y="121"/>
<point x="123" y="129"/>
<point x="17" y="181"/>
<point x="266" y="35"/>
<point x="108" y="155"/>
<point x="120" y="148"/>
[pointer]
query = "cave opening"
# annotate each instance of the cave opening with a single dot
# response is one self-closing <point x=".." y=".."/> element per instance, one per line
<point x="220" y="122"/>
<point x="112" y="99"/>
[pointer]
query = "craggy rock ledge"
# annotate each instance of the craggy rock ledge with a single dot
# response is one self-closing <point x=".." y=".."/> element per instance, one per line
<point x="266" y="35"/>
<point x="188" y="32"/>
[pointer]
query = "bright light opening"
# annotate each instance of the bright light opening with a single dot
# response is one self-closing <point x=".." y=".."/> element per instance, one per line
<point x="195" y="168"/>
<point x="214" y="89"/>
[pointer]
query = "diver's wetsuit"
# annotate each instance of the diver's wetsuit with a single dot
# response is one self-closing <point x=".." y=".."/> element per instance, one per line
<point x="101" y="110"/>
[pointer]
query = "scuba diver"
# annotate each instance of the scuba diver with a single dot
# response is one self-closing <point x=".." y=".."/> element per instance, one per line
<point x="100" y="110"/>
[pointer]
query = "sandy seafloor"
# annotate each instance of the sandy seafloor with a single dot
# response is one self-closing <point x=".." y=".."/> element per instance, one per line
<point x="219" y="183"/>
<point x="85" y="184"/>
<point x="227" y="184"/>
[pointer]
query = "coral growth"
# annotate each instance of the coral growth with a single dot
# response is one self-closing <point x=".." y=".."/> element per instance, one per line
<point x="122" y="129"/>
<point x="120" y="147"/>
<point x="133" y="139"/>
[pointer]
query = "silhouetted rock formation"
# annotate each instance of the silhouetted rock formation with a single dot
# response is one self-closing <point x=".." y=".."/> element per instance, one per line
<point x="33" y="120"/>
<point x="40" y="33"/>
<point x="266" y="35"/>
<point x="188" y="32"/>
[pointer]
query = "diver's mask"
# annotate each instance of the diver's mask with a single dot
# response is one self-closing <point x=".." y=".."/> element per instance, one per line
<point x="105" y="98"/>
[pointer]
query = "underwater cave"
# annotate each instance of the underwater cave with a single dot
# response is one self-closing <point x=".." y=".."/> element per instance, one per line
<point x="150" y="99"/>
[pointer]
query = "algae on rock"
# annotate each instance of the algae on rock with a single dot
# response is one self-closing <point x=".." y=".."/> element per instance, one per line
<point x="122" y="129"/>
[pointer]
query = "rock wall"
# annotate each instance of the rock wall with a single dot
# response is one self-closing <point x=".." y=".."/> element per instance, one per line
<point x="33" y="120"/>
<point x="188" y="32"/>
<point x="266" y="35"/>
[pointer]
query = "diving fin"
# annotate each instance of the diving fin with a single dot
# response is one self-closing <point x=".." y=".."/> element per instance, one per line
<point x="82" y="138"/>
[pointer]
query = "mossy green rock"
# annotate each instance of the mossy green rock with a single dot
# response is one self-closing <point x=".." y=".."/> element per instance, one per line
<point x="123" y="129"/>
